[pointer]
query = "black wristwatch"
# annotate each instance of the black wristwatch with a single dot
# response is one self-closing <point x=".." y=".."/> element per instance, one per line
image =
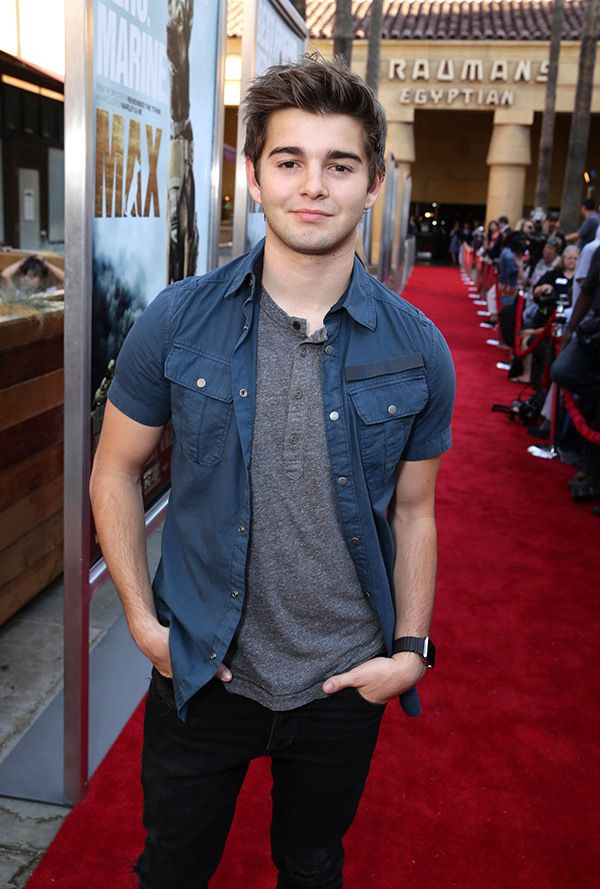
<point x="421" y="645"/>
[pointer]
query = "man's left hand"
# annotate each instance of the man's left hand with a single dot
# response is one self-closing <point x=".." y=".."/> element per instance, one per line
<point x="380" y="679"/>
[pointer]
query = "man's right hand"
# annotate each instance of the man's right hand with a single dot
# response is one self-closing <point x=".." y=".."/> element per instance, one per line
<point x="153" y="642"/>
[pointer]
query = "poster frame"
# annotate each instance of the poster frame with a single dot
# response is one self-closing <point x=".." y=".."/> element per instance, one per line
<point x="81" y="580"/>
<point x="388" y="223"/>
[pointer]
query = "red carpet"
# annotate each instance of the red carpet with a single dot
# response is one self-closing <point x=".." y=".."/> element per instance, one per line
<point x="496" y="785"/>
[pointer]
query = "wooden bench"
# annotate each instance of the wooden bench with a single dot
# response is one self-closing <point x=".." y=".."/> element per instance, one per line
<point x="31" y="454"/>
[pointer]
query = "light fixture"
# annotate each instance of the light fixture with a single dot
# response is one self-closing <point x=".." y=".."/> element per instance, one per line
<point x="32" y="88"/>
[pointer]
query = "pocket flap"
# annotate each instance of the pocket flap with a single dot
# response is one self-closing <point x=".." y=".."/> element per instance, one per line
<point x="383" y="368"/>
<point x="389" y="401"/>
<point x="201" y="373"/>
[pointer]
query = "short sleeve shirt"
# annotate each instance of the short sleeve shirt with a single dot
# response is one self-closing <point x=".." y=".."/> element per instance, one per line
<point x="388" y="392"/>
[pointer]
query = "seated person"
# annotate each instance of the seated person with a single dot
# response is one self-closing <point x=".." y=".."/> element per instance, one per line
<point x="31" y="275"/>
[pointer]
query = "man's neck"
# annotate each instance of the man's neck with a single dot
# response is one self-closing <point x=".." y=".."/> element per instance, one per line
<point x="306" y="285"/>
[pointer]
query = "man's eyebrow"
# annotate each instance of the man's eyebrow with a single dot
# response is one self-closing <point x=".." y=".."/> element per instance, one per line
<point x="334" y="154"/>
<point x="287" y="149"/>
<point x="344" y="155"/>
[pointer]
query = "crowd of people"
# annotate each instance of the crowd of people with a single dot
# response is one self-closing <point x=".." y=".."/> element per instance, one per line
<point x="542" y="291"/>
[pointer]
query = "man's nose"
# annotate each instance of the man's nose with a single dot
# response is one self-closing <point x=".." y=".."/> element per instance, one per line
<point x="313" y="181"/>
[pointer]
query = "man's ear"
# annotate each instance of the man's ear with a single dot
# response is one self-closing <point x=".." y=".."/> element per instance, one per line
<point x="373" y="192"/>
<point x="253" y="186"/>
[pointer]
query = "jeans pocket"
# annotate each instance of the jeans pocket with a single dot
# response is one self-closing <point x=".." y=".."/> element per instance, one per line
<point x="372" y="704"/>
<point x="163" y="689"/>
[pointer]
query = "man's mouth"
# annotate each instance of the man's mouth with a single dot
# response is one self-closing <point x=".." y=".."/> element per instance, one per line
<point x="309" y="215"/>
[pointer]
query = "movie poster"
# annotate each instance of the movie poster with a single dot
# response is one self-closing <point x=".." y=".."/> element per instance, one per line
<point x="155" y="79"/>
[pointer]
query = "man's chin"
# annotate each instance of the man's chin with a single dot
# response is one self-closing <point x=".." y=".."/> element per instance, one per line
<point x="317" y="246"/>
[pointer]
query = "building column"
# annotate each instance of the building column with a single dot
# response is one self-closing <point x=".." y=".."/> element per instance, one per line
<point x="508" y="157"/>
<point x="401" y="144"/>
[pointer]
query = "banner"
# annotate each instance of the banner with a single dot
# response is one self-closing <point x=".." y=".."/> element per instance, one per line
<point x="157" y="143"/>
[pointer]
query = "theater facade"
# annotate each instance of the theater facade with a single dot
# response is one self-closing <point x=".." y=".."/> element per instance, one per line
<point x="464" y="87"/>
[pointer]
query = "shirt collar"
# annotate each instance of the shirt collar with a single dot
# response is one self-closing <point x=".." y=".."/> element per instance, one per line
<point x="358" y="301"/>
<point x="250" y="268"/>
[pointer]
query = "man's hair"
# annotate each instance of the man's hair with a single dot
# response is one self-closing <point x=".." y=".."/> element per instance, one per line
<point x="503" y="220"/>
<point x="516" y="243"/>
<point x="318" y="86"/>
<point x="589" y="204"/>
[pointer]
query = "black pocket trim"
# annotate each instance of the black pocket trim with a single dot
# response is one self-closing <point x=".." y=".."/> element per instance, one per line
<point x="381" y="368"/>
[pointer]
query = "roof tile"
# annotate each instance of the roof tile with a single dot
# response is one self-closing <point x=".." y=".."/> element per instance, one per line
<point x="439" y="19"/>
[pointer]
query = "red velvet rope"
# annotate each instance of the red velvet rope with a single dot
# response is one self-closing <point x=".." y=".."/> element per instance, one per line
<point x="544" y="333"/>
<point x="579" y="420"/>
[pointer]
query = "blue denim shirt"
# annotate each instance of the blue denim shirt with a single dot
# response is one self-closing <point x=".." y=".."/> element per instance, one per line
<point x="191" y="356"/>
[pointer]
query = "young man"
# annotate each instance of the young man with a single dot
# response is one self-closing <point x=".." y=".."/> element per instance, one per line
<point x="310" y="406"/>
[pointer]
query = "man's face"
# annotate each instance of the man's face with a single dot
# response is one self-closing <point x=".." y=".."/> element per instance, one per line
<point x="548" y="253"/>
<point x="313" y="180"/>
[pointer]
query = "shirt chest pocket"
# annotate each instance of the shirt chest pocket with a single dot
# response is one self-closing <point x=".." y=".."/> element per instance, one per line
<point x="201" y="402"/>
<point x="385" y="410"/>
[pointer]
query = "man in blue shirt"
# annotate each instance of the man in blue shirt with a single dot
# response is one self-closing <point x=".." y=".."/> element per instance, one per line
<point x="310" y="407"/>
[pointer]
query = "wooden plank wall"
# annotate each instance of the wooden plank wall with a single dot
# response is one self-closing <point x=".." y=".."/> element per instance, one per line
<point x="31" y="456"/>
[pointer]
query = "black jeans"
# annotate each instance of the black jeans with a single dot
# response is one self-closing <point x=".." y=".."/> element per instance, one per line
<point x="192" y="772"/>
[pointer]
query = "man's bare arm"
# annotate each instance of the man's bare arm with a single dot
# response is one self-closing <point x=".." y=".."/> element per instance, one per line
<point x="415" y="538"/>
<point x="118" y="507"/>
<point x="414" y="531"/>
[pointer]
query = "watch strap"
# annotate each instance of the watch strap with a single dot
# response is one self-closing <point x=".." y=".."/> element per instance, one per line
<point x="421" y="645"/>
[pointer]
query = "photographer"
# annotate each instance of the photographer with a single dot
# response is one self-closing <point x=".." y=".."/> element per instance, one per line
<point x="510" y="275"/>
<point x="547" y="262"/>
<point x="551" y="294"/>
<point x="577" y="369"/>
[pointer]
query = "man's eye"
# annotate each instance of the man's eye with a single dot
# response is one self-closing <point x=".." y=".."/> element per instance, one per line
<point x="288" y="165"/>
<point x="341" y="168"/>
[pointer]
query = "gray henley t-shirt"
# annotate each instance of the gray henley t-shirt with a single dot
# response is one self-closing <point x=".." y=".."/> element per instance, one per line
<point x="305" y="616"/>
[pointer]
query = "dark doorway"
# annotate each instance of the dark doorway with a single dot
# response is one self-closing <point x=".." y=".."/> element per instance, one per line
<point x="433" y="223"/>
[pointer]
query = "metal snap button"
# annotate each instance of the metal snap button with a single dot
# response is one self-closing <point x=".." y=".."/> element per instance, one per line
<point x="329" y="350"/>
<point x="213" y="655"/>
<point x="234" y="594"/>
<point x="342" y="480"/>
<point x="355" y="541"/>
<point x="201" y="383"/>
<point x="392" y="409"/>
<point x="334" y="415"/>
<point x="241" y="529"/>
<point x="243" y="393"/>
